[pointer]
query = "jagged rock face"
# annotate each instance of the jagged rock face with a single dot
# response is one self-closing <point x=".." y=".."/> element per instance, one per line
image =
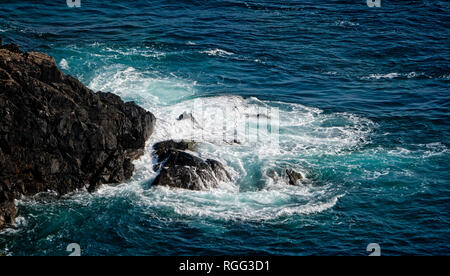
<point x="293" y="176"/>
<point x="182" y="169"/>
<point x="56" y="134"/>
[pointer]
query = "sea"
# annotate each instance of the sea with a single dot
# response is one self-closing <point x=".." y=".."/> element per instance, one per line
<point x="356" y="98"/>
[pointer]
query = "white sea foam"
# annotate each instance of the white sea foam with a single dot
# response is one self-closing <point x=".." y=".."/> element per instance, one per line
<point x="306" y="132"/>
<point x="217" y="52"/>
<point x="98" y="49"/>
<point x="420" y="152"/>
<point x="435" y="149"/>
<point x="19" y="223"/>
<point x="147" y="88"/>
<point x="382" y="76"/>
<point x="144" y="52"/>
<point x="412" y="75"/>
<point x="223" y="204"/>
<point x="300" y="133"/>
<point x="296" y="127"/>
<point x="394" y="75"/>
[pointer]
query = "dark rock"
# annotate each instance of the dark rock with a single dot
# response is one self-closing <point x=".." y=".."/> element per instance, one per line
<point x="56" y="134"/>
<point x="181" y="169"/>
<point x="294" y="177"/>
<point x="12" y="48"/>
<point x="186" y="116"/>
<point x="164" y="149"/>
<point x="219" y="170"/>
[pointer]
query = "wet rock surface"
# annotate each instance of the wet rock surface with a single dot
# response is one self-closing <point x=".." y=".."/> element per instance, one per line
<point x="179" y="167"/>
<point x="293" y="176"/>
<point x="56" y="134"/>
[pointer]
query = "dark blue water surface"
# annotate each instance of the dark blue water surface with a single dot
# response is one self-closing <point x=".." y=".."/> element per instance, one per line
<point x="364" y="99"/>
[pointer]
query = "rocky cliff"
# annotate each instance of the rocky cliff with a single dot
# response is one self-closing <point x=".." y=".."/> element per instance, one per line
<point x="56" y="134"/>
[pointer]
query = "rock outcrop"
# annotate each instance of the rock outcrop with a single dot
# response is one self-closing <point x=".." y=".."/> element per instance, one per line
<point x="179" y="167"/>
<point x="186" y="116"/>
<point x="293" y="176"/>
<point x="56" y="134"/>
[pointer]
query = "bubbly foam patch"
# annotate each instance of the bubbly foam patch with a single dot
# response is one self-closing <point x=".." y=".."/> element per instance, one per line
<point x="219" y="204"/>
<point x="260" y="190"/>
<point x="247" y="206"/>
<point x="394" y="75"/>
<point x="257" y="140"/>
<point x="261" y="127"/>
<point x="146" y="88"/>
<point x="217" y="52"/>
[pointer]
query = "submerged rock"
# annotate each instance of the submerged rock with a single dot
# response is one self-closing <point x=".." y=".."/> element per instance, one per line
<point x="280" y="175"/>
<point x="179" y="168"/>
<point x="56" y="134"/>
<point x="293" y="176"/>
<point x="163" y="149"/>
<point x="186" y="116"/>
<point x="190" y="117"/>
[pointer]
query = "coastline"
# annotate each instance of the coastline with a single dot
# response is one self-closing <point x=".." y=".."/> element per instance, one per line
<point x="58" y="135"/>
<point x="351" y="99"/>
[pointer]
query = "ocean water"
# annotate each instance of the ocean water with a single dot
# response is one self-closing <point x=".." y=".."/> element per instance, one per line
<point x="362" y="102"/>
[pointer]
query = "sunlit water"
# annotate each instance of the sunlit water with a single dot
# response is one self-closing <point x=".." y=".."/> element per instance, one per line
<point x="362" y="97"/>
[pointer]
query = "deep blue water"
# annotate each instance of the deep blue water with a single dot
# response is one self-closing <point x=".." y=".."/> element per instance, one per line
<point x="363" y="98"/>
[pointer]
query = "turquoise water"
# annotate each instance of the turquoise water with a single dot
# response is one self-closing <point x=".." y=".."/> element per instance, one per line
<point x="362" y="96"/>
